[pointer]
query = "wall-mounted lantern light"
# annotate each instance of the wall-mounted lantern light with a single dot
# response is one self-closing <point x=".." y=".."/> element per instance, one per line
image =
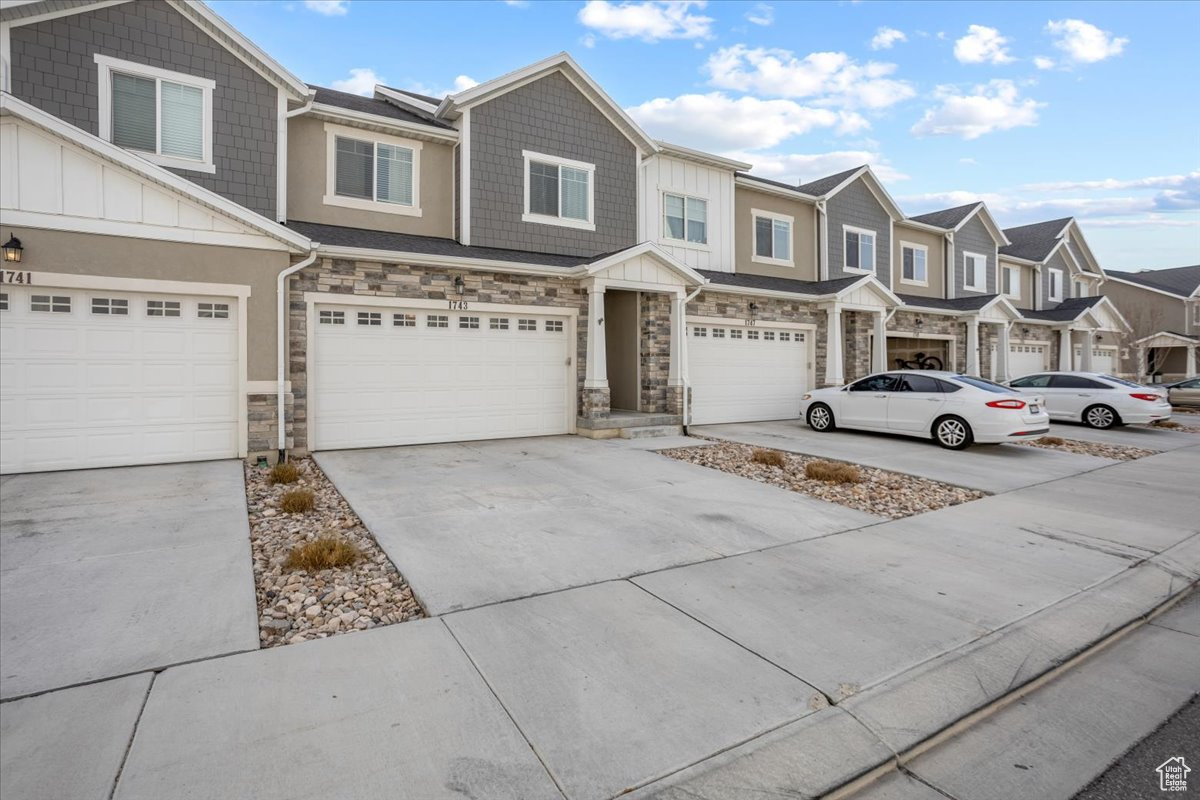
<point x="1025" y="332"/>
<point x="753" y="310"/>
<point x="12" y="250"/>
<point x="918" y="322"/>
<point x="459" y="286"/>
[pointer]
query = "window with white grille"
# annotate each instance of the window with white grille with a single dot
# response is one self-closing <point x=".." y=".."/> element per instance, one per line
<point x="700" y="332"/>
<point x="370" y="318"/>
<point x="162" y="308"/>
<point x="735" y="333"/>
<point x="3" y="301"/>
<point x="527" y="324"/>
<point x="112" y="306"/>
<point x="498" y="323"/>
<point x="56" y="304"/>
<point x="769" y="336"/>
<point x="404" y="320"/>
<point x="751" y="334"/>
<point x="784" y="336"/>
<point x="554" y="326"/>
<point x="470" y="323"/>
<point x="212" y="310"/>
<point x="437" y="321"/>
<point x="332" y="318"/>
<point x="718" y="333"/>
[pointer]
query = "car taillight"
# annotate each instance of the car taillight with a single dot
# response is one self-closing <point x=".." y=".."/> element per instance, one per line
<point x="1006" y="404"/>
<point x="1143" y="396"/>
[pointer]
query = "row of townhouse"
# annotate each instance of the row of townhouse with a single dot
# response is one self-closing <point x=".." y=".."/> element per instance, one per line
<point x="218" y="260"/>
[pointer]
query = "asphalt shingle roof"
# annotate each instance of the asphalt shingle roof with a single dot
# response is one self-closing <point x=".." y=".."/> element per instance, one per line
<point x="821" y="186"/>
<point x="1177" y="280"/>
<point x="371" y="105"/>
<point x="745" y="281"/>
<point x="947" y="217"/>
<point x="416" y="96"/>
<point x="955" y="304"/>
<point x="1033" y="242"/>
<point x="1065" y="311"/>
<point x="768" y="181"/>
<point x="340" y="236"/>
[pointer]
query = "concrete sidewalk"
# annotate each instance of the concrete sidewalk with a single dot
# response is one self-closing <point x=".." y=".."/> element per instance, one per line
<point x="712" y="680"/>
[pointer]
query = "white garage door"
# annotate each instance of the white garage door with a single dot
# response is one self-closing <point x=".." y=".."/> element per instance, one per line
<point x="745" y="374"/>
<point x="1024" y="359"/>
<point x="1104" y="359"/>
<point x="393" y="376"/>
<point x="101" y="379"/>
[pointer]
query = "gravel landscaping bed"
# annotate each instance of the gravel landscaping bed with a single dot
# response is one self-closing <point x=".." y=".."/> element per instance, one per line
<point x="880" y="492"/>
<point x="1188" y="423"/>
<point x="297" y="605"/>
<point x="1117" y="452"/>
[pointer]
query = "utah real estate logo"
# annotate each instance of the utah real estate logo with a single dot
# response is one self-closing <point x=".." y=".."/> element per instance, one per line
<point x="1172" y="775"/>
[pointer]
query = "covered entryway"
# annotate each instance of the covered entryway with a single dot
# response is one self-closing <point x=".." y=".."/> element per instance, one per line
<point x="99" y="378"/>
<point x="908" y="352"/>
<point x="746" y="373"/>
<point x="395" y="375"/>
<point x="1026" y="358"/>
<point x="622" y="332"/>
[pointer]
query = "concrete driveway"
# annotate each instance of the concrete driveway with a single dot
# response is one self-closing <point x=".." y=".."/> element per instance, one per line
<point x="478" y="523"/>
<point x="1145" y="436"/>
<point x="989" y="468"/>
<point x="111" y="571"/>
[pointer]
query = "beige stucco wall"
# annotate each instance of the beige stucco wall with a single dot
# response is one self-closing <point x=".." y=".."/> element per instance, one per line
<point x="1146" y="312"/>
<point x="935" y="261"/>
<point x="1025" y="301"/>
<point x="93" y="254"/>
<point x="308" y="149"/>
<point x="803" y="248"/>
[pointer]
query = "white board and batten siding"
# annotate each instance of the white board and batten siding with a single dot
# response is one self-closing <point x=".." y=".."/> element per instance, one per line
<point x="665" y="174"/>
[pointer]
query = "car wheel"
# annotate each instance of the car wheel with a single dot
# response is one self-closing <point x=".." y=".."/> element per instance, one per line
<point x="820" y="418"/>
<point x="953" y="433"/>
<point x="1101" y="417"/>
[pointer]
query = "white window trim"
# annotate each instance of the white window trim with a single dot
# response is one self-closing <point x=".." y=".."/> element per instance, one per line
<point x="565" y="222"/>
<point x="1051" y="295"/>
<point x="667" y="240"/>
<point x="874" y="250"/>
<point x="914" y="246"/>
<point x="1016" y="282"/>
<point x="969" y="257"/>
<point x="332" y="198"/>
<point x="773" y="216"/>
<point x="106" y="65"/>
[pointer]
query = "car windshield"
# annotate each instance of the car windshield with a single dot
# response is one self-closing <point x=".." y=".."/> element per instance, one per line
<point x="983" y="383"/>
<point x="1121" y="381"/>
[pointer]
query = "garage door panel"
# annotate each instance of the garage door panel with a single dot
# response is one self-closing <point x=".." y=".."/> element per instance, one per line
<point x="745" y="375"/>
<point x="87" y="389"/>
<point x="437" y="383"/>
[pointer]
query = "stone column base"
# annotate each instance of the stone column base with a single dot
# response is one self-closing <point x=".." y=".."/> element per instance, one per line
<point x="595" y="403"/>
<point x="262" y="434"/>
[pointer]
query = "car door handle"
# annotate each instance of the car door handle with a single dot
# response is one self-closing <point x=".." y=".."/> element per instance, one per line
<point x="1083" y="395"/>
<point x="881" y="395"/>
<point x="933" y="399"/>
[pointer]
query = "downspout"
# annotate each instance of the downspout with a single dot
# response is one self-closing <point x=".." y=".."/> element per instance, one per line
<point x="304" y="109"/>
<point x="281" y="352"/>
<point x="683" y="355"/>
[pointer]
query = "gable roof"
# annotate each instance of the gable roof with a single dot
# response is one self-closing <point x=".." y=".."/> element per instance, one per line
<point x="947" y="217"/>
<point x="160" y="176"/>
<point x="372" y="105"/>
<point x="828" y="187"/>
<point x="1065" y="311"/>
<point x="1180" y="281"/>
<point x="1034" y="242"/>
<point x="562" y="63"/>
<point x="822" y="186"/>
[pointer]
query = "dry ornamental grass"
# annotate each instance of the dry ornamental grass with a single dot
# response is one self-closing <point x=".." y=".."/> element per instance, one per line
<point x="297" y="501"/>
<point x="1052" y="441"/>
<point x="770" y="458"/>
<point x="832" y="472"/>
<point x="327" y="552"/>
<point x="283" y="472"/>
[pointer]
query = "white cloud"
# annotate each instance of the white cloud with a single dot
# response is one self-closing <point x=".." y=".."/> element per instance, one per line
<point x="716" y="122"/>
<point x="828" y="78"/>
<point x="330" y="8"/>
<point x="970" y="162"/>
<point x="801" y="167"/>
<point x="362" y="81"/>
<point x="1083" y="42"/>
<point x="886" y="37"/>
<point x="588" y="40"/>
<point x="982" y="44"/>
<point x="993" y="106"/>
<point x="1191" y="179"/>
<point x="649" y="21"/>
<point x="761" y="14"/>
<point x="461" y="83"/>
<point x="517" y="3"/>
<point x="1042" y="62"/>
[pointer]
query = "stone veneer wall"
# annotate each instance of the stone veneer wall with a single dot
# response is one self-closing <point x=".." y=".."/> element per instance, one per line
<point x="770" y="309"/>
<point x="857" y="327"/>
<point x="342" y="277"/>
<point x="263" y="424"/>
<point x="654" y="350"/>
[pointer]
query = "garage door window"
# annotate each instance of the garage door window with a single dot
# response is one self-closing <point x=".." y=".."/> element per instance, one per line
<point x="110" y="306"/>
<point x="784" y="336"/>
<point x="374" y="318"/>
<point x="498" y="323"/>
<point x="735" y="333"/>
<point x="162" y="308"/>
<point x="751" y="334"/>
<point x="212" y="310"/>
<point x="333" y="318"/>
<point x="404" y="320"/>
<point x="769" y="336"/>
<point x="54" y="304"/>
<point x="3" y="301"/>
<point x="554" y="326"/>
<point x="469" y="323"/>
<point x="718" y="333"/>
<point x="437" y="321"/>
<point x="700" y="331"/>
<point x="527" y="324"/>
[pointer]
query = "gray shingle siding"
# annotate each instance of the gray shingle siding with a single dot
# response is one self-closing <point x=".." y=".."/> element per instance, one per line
<point x="1056" y="261"/>
<point x="53" y="68"/>
<point x="974" y="238"/>
<point x="856" y="206"/>
<point x="549" y="116"/>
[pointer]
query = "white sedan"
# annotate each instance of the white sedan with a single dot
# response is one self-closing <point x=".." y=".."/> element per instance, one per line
<point x="1095" y="399"/>
<point x="954" y="410"/>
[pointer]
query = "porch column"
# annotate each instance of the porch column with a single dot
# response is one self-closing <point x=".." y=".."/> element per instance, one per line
<point x="834" y="372"/>
<point x="1140" y="369"/>
<point x="1002" y="348"/>
<point x="596" y="375"/>
<point x="879" y="362"/>
<point x="1064" y="350"/>
<point x="972" y="346"/>
<point x="1085" y="353"/>
<point x="1191" y="362"/>
<point x="678" y="331"/>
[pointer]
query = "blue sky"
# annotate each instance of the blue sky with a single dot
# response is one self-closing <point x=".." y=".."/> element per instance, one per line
<point x="1043" y="109"/>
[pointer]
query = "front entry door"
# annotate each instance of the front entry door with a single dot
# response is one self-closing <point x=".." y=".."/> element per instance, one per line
<point x="621" y="342"/>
